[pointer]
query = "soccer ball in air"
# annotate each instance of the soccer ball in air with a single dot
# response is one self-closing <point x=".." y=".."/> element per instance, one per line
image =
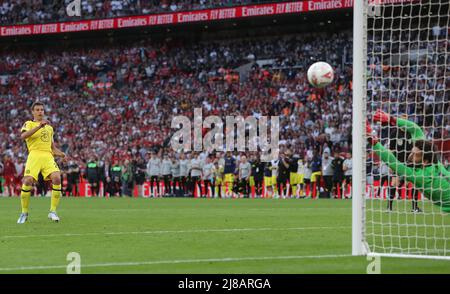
<point x="320" y="74"/>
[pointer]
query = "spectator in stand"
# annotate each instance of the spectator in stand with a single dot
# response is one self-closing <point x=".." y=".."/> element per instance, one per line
<point x="28" y="12"/>
<point x="129" y="93"/>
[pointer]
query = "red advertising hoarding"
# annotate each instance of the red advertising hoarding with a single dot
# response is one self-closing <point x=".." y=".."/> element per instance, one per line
<point x="176" y="17"/>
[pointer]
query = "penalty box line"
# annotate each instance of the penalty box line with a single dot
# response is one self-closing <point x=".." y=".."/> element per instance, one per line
<point x="175" y="232"/>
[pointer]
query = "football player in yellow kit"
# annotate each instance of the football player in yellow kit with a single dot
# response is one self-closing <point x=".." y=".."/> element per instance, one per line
<point x="38" y="135"/>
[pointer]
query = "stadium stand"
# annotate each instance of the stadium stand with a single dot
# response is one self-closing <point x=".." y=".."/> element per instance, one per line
<point x="44" y="11"/>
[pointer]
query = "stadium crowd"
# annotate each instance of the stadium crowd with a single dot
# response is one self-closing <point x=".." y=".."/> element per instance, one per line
<point x="44" y="11"/>
<point x="113" y="104"/>
<point x="126" y="96"/>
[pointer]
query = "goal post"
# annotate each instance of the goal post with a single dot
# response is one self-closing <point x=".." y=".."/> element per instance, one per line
<point x="401" y="89"/>
<point x="358" y="138"/>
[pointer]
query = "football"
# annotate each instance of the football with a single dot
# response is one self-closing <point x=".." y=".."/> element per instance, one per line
<point x="320" y="74"/>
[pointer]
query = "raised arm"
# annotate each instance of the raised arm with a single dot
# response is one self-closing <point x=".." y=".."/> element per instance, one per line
<point x="26" y="133"/>
<point x="389" y="158"/>
<point x="56" y="152"/>
<point x="413" y="129"/>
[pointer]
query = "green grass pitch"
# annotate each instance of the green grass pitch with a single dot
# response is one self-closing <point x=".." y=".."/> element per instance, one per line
<point x="123" y="235"/>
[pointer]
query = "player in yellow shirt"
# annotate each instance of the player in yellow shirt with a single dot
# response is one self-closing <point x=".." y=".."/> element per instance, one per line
<point x="38" y="135"/>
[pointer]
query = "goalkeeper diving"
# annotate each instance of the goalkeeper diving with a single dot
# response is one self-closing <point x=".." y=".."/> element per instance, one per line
<point x="426" y="172"/>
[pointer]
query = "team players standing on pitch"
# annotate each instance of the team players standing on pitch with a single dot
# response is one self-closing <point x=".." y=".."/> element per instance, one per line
<point x="226" y="174"/>
<point x="38" y="135"/>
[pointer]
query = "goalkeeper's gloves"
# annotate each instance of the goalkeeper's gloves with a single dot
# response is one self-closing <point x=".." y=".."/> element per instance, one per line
<point x="373" y="139"/>
<point x="384" y="118"/>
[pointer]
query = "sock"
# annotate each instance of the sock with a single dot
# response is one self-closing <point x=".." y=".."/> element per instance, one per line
<point x="56" y="195"/>
<point x="25" y="197"/>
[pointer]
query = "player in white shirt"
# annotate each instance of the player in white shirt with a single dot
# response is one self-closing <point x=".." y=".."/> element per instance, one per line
<point x="347" y="167"/>
<point x="301" y="170"/>
<point x="245" y="171"/>
<point x="195" y="171"/>
<point x="208" y="176"/>
<point x="184" y="173"/>
<point x="154" y="172"/>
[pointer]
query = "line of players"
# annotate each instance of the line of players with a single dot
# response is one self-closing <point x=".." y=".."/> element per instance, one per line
<point x="223" y="174"/>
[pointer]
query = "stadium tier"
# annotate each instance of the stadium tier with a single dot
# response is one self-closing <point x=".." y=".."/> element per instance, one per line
<point x="44" y="11"/>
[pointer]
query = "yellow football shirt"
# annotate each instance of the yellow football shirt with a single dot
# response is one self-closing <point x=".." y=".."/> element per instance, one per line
<point x="41" y="140"/>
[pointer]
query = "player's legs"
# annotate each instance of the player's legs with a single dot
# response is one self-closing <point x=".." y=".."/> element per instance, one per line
<point x="27" y="186"/>
<point x="258" y="187"/>
<point x="393" y="191"/>
<point x="415" y="200"/>
<point x="207" y="185"/>
<point x="301" y="185"/>
<point x="93" y="183"/>
<point x="307" y="187"/>
<point x="166" y="179"/>
<point x="32" y="169"/>
<point x="154" y="182"/>
<point x="336" y="191"/>
<point x="348" y="185"/>
<point x="268" y="189"/>
<point x="55" y="177"/>
<point x="281" y="186"/>
<point x="328" y="184"/>
<point x="50" y="171"/>
<point x="315" y="180"/>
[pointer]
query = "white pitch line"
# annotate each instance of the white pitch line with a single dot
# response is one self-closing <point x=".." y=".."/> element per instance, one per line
<point x="173" y="232"/>
<point x="139" y="263"/>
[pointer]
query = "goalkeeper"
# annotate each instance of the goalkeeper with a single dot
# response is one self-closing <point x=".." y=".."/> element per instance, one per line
<point x="428" y="174"/>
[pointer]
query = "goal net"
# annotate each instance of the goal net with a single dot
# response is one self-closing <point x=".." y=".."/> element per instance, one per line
<point x="402" y="77"/>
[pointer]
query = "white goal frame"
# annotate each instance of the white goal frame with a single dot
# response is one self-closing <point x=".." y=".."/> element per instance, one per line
<point x="360" y="246"/>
